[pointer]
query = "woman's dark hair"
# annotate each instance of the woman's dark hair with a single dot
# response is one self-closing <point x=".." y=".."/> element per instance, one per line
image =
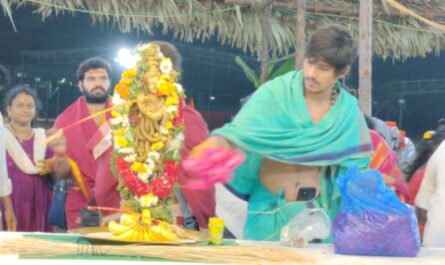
<point x="424" y="150"/>
<point x="22" y="89"/>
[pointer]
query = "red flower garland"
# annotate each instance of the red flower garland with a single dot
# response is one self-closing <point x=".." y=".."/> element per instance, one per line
<point x="171" y="171"/>
<point x="179" y="120"/>
<point x="130" y="180"/>
<point x="161" y="187"/>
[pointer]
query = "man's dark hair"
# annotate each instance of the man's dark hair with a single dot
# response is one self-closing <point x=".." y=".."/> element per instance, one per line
<point x="170" y="51"/>
<point x="22" y="89"/>
<point x="334" y="45"/>
<point x="92" y="63"/>
<point x="4" y="77"/>
<point x="441" y="122"/>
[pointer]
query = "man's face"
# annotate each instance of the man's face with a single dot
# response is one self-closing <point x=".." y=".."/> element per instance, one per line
<point x="319" y="76"/>
<point x="95" y="86"/>
<point x="441" y="127"/>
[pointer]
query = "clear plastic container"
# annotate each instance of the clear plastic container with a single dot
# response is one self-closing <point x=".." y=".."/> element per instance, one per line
<point x="306" y="226"/>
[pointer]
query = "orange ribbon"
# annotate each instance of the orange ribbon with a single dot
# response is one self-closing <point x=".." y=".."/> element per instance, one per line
<point x="92" y="116"/>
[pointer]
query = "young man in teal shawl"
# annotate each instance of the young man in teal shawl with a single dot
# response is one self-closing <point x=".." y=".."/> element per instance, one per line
<point x="299" y="132"/>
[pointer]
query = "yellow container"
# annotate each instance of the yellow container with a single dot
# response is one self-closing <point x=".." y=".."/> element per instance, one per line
<point x="216" y="231"/>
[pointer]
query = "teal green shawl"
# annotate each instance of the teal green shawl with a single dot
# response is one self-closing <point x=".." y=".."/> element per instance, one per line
<point x="275" y="123"/>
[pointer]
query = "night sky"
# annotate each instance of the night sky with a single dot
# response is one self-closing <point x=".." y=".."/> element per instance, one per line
<point x="209" y="69"/>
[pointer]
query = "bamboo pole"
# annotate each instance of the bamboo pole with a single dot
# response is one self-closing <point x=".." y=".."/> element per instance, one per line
<point x="300" y="36"/>
<point x="365" y="57"/>
<point x="264" y="45"/>
<point x="264" y="8"/>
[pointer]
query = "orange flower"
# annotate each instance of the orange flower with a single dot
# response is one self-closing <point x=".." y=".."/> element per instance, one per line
<point x="122" y="90"/>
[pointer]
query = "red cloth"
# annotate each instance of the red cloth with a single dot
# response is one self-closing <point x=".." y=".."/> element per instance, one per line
<point x="414" y="183"/>
<point x="78" y="138"/>
<point x="201" y="202"/>
<point x="106" y="193"/>
<point x="384" y="159"/>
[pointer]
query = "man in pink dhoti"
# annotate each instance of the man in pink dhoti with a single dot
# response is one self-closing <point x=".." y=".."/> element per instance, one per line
<point x="200" y="202"/>
<point x="80" y="141"/>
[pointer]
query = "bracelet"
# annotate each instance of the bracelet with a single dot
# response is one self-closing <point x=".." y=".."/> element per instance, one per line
<point x="421" y="227"/>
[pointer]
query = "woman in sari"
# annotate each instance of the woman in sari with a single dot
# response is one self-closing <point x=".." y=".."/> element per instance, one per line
<point x="384" y="159"/>
<point x="26" y="164"/>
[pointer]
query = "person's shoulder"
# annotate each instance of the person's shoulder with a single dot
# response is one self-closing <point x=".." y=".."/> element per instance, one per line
<point x="285" y="78"/>
<point x="282" y="82"/>
<point x="66" y="115"/>
<point x="438" y="156"/>
<point x="191" y="111"/>
<point x="351" y="98"/>
<point x="71" y="108"/>
<point x="441" y="150"/>
<point x="192" y="115"/>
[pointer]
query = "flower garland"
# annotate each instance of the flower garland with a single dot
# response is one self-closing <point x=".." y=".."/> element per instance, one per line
<point x="147" y="169"/>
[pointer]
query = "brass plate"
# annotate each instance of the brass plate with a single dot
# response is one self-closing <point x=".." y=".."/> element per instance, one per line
<point x="101" y="235"/>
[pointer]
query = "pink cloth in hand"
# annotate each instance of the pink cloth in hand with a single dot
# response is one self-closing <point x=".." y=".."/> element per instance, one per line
<point x="216" y="165"/>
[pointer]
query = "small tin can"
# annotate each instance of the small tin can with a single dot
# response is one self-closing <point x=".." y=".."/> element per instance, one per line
<point x="216" y="231"/>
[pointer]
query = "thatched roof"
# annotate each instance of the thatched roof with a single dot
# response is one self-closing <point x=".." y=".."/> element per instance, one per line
<point x="237" y="22"/>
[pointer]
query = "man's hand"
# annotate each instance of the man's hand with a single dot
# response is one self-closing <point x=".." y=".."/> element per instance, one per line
<point x="46" y="166"/>
<point x="422" y="218"/>
<point x="56" y="140"/>
<point x="212" y="142"/>
<point x="209" y="143"/>
<point x="388" y="179"/>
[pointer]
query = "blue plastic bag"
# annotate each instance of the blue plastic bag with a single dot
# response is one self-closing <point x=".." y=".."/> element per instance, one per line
<point x="372" y="221"/>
